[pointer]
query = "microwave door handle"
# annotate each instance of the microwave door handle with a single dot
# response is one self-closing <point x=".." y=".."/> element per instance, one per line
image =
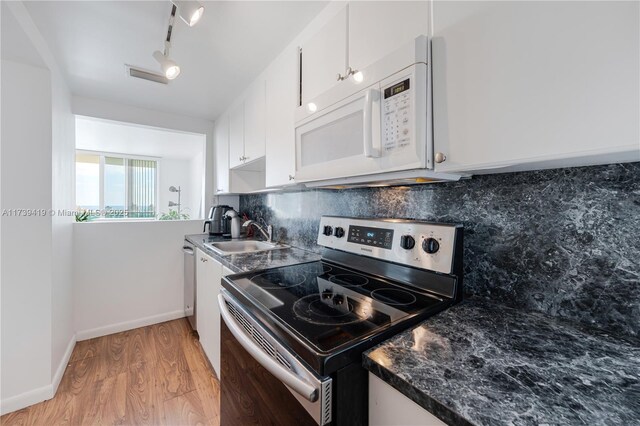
<point x="302" y="387"/>
<point x="370" y="97"/>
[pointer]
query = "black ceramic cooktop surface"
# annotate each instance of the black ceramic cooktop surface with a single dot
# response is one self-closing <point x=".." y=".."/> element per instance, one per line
<point x="329" y="306"/>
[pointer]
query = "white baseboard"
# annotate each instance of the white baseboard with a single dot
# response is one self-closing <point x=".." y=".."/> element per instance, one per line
<point x="26" y="399"/>
<point x="44" y="393"/>
<point x="127" y="325"/>
<point x="63" y="364"/>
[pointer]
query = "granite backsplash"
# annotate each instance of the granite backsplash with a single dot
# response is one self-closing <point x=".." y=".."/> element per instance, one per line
<point x="565" y="242"/>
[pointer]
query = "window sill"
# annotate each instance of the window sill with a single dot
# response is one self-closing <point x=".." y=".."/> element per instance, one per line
<point x="138" y="220"/>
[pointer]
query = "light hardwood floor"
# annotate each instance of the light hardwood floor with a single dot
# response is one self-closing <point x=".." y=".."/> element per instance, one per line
<point x="156" y="375"/>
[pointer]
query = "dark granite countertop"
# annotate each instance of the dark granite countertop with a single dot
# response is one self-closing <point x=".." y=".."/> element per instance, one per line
<point x="486" y="364"/>
<point x="256" y="260"/>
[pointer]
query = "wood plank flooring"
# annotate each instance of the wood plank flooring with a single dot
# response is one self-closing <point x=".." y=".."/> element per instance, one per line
<point x="156" y="375"/>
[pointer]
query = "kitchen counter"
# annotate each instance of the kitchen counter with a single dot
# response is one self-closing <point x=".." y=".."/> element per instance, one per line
<point x="243" y="262"/>
<point x="485" y="364"/>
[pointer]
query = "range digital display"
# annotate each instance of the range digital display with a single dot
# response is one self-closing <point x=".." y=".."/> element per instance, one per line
<point x="396" y="88"/>
<point x="375" y="237"/>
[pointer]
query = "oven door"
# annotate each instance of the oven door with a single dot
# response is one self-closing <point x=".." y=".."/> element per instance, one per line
<point x="261" y="381"/>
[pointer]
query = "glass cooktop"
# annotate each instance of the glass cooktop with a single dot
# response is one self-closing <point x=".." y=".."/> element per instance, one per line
<point x="328" y="305"/>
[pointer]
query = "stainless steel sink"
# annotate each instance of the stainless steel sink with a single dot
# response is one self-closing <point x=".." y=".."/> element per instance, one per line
<point x="225" y="248"/>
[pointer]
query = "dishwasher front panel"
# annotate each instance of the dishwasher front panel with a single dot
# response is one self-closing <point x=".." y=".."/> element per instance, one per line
<point x="190" y="283"/>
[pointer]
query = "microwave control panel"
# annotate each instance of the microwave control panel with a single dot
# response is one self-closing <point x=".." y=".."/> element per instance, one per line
<point x="396" y="116"/>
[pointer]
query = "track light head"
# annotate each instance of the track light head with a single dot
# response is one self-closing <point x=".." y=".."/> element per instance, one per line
<point x="190" y="11"/>
<point x="169" y="68"/>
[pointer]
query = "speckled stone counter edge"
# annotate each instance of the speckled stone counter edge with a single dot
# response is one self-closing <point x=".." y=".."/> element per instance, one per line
<point x="430" y="404"/>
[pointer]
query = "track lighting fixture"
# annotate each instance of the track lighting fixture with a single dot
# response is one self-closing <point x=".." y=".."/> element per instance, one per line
<point x="358" y="77"/>
<point x="190" y="11"/>
<point x="169" y="68"/>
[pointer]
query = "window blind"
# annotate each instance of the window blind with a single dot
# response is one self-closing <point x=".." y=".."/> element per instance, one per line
<point x="142" y="188"/>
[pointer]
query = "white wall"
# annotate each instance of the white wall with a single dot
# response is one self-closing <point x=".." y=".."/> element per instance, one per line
<point x="176" y="173"/>
<point x="128" y="274"/>
<point x="26" y="242"/>
<point x="63" y="198"/>
<point x="37" y="167"/>
<point x="197" y="185"/>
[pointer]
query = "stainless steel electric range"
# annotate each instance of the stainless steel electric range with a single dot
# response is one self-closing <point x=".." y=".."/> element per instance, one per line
<point x="292" y="337"/>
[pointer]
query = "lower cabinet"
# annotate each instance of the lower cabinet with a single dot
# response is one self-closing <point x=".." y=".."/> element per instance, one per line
<point x="388" y="407"/>
<point x="208" y="275"/>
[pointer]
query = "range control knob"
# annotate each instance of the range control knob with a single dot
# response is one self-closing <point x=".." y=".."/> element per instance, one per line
<point x="339" y="232"/>
<point x="328" y="231"/>
<point x="407" y="242"/>
<point x="430" y="245"/>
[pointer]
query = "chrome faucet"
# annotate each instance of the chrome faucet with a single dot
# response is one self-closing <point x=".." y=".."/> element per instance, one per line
<point x="268" y="233"/>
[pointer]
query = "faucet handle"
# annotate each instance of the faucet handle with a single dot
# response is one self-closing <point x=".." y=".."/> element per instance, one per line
<point x="270" y="232"/>
<point x="231" y="214"/>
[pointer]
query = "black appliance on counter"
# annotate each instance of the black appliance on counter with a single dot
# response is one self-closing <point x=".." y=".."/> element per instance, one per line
<point x="292" y="337"/>
<point x="218" y="223"/>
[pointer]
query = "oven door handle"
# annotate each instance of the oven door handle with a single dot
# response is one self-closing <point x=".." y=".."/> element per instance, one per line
<point x="302" y="387"/>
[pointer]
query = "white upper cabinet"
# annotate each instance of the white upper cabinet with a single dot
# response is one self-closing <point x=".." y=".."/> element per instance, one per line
<point x="281" y="96"/>
<point x="247" y="127"/>
<point x="236" y="136"/>
<point x="377" y="28"/>
<point x="221" y="154"/>
<point x="324" y="56"/>
<point x="254" y="122"/>
<point x="547" y="84"/>
<point x="359" y="35"/>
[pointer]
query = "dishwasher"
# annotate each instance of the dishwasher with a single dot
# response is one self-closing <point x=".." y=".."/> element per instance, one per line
<point x="190" y="283"/>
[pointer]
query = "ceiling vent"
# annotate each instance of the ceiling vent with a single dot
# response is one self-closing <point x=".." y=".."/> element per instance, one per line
<point x="146" y="74"/>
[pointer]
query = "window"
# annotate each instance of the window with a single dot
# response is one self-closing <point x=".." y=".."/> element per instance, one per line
<point x="112" y="186"/>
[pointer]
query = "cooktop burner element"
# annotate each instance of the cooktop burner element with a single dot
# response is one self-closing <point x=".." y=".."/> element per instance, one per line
<point x="349" y="280"/>
<point x="322" y="310"/>
<point x="279" y="279"/>
<point x="393" y="296"/>
<point x="317" y="269"/>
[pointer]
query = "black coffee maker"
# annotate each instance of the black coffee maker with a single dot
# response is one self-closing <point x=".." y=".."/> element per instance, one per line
<point x="218" y="223"/>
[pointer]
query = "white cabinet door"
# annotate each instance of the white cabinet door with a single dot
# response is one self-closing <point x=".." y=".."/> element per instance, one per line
<point x="552" y="83"/>
<point x="324" y="56"/>
<point x="254" y="122"/>
<point x="282" y="89"/>
<point x="221" y="155"/>
<point x="236" y="136"/>
<point x="209" y="274"/>
<point x="388" y="407"/>
<point x="377" y="28"/>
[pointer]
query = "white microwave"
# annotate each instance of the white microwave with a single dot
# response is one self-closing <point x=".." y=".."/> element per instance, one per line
<point x="381" y="132"/>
